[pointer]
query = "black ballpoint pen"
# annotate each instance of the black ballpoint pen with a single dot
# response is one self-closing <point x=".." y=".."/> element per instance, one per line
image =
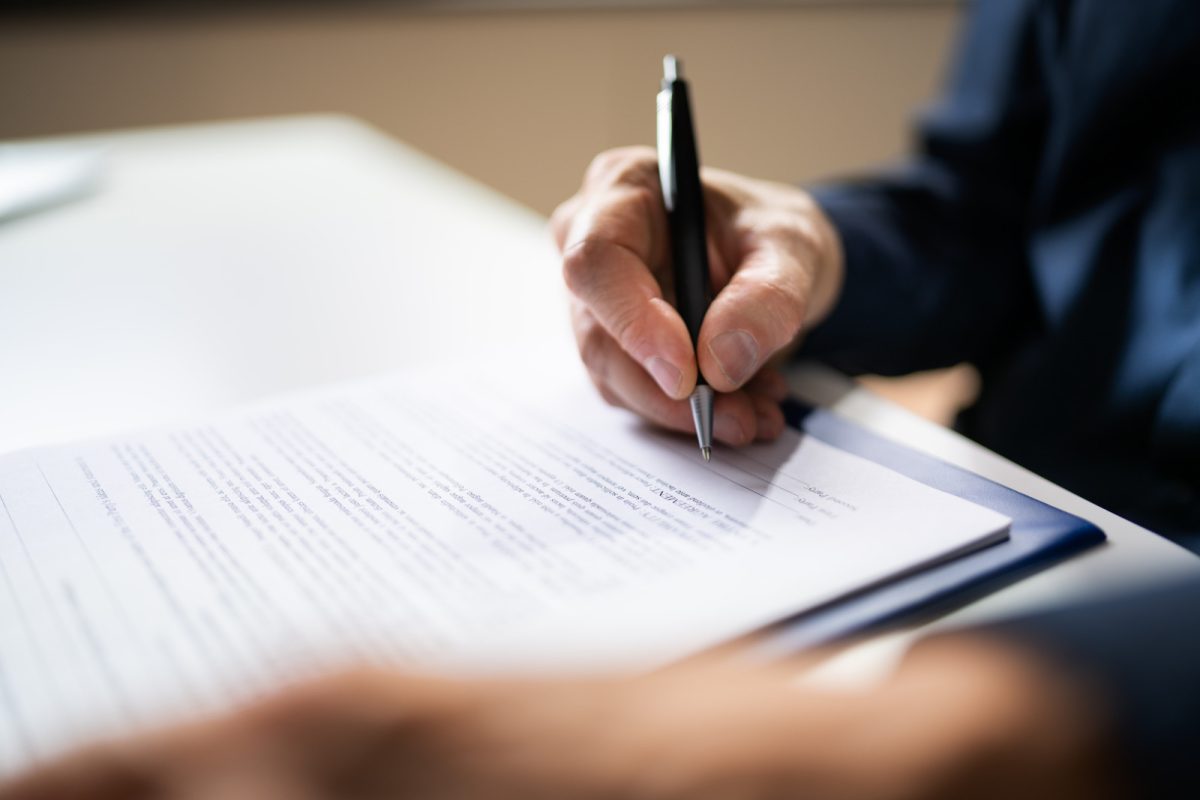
<point x="679" y="172"/>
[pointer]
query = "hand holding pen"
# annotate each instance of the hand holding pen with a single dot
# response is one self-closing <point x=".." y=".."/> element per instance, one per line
<point x="774" y="267"/>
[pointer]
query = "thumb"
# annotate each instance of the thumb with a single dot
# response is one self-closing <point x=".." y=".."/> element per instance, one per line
<point x="759" y="312"/>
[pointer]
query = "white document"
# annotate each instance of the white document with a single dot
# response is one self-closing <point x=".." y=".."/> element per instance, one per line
<point x="419" y="521"/>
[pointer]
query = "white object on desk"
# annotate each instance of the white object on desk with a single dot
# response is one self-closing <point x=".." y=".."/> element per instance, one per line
<point x="225" y="262"/>
<point x="37" y="177"/>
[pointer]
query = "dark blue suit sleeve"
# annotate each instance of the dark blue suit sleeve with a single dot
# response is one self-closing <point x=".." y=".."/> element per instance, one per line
<point x="1143" y="652"/>
<point x="935" y="264"/>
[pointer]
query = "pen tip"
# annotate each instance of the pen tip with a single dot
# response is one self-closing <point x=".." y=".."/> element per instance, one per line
<point x="706" y="452"/>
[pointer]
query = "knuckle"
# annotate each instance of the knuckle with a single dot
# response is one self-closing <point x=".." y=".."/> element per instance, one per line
<point x="646" y="198"/>
<point x="629" y="218"/>
<point x="623" y="165"/>
<point x="580" y="262"/>
<point x="629" y="329"/>
<point x="783" y="303"/>
<point x="603" y="163"/>
<point x="775" y="224"/>
<point x="782" y="296"/>
<point x="789" y="231"/>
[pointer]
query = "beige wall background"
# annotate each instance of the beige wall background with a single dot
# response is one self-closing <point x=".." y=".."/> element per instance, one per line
<point x="520" y="100"/>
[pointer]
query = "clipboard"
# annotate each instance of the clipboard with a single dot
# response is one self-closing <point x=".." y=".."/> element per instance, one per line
<point x="1041" y="535"/>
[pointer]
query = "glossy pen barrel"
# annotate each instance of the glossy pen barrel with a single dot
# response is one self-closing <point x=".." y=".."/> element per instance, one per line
<point x="685" y="206"/>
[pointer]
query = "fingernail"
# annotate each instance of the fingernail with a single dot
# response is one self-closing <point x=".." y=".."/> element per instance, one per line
<point x="665" y="374"/>
<point x="727" y="428"/>
<point x="736" y="353"/>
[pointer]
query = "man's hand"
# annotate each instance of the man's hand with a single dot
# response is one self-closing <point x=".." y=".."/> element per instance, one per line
<point x="776" y="269"/>
<point x="962" y="718"/>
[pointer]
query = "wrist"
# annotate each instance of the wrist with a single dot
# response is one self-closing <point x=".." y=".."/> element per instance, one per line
<point x="828" y="256"/>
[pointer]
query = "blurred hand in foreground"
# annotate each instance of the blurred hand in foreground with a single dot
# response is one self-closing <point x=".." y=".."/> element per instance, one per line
<point x="962" y="717"/>
<point x="776" y="269"/>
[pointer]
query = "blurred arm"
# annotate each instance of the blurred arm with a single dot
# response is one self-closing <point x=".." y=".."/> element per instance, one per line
<point x="1141" y="652"/>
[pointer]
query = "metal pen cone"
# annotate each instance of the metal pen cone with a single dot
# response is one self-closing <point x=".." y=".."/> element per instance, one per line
<point x="701" y="402"/>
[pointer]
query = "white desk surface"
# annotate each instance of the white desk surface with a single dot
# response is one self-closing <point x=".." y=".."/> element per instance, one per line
<point x="221" y="263"/>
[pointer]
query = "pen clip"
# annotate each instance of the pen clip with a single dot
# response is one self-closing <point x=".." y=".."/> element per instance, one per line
<point x="666" y="153"/>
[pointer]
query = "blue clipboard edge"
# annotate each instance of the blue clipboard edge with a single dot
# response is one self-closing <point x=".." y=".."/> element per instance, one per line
<point x="1041" y="535"/>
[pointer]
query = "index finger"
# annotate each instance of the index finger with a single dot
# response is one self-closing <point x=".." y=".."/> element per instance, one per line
<point x="613" y="242"/>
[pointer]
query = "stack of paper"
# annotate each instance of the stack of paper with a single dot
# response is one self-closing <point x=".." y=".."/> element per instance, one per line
<point x="422" y="521"/>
